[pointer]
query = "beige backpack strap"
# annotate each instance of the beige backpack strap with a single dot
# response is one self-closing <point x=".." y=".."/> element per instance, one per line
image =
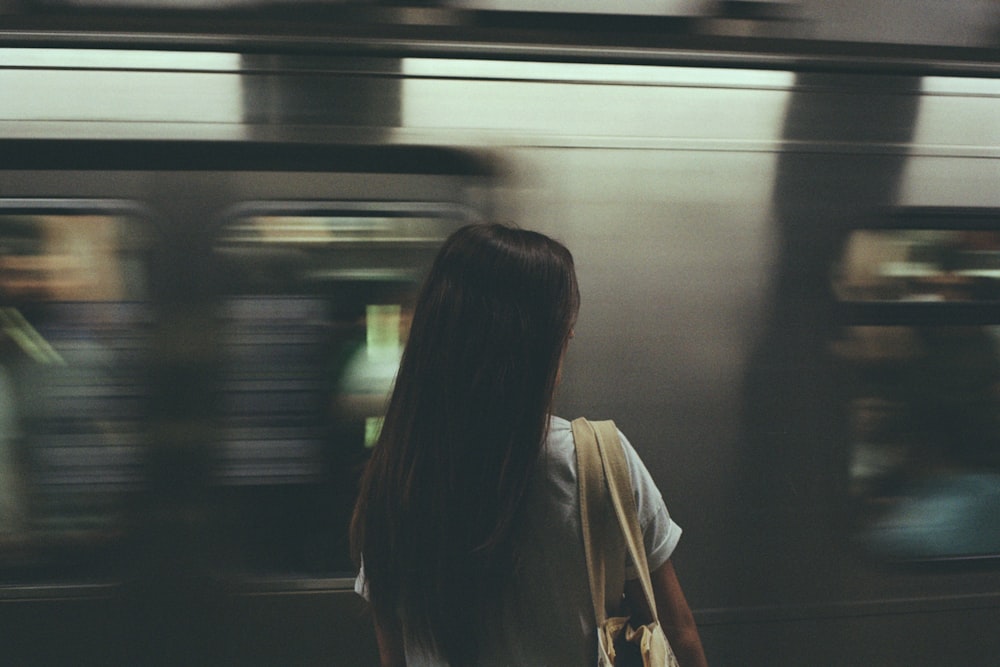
<point x="590" y="481"/>
<point x="620" y="485"/>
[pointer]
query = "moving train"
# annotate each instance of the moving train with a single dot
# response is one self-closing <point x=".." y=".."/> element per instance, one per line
<point x="210" y="244"/>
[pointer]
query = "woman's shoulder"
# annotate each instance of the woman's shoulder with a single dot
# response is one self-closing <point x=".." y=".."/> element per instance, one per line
<point x="558" y="424"/>
<point x="561" y="448"/>
<point x="559" y="455"/>
<point x="560" y="436"/>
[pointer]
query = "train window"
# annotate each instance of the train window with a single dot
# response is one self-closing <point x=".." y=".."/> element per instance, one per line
<point x="73" y="330"/>
<point x="316" y="301"/>
<point x="920" y="265"/>
<point x="923" y="349"/>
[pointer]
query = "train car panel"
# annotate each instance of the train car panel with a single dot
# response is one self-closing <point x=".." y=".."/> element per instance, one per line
<point x="764" y="252"/>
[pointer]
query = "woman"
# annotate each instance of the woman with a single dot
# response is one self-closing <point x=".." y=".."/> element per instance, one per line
<point x="468" y="517"/>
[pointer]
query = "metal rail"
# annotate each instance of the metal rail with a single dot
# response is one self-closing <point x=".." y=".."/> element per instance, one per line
<point x="636" y="41"/>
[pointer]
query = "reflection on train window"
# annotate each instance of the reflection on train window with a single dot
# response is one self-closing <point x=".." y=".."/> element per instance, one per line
<point x="73" y="330"/>
<point x="924" y="404"/>
<point x="316" y="307"/>
<point x="920" y="265"/>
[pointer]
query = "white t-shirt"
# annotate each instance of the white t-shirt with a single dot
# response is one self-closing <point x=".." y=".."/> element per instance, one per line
<point x="549" y="616"/>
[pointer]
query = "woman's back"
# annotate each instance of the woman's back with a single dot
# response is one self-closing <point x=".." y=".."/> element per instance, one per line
<point x="443" y="499"/>
<point x="548" y="617"/>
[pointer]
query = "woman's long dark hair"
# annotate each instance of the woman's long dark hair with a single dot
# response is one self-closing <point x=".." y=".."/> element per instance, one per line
<point x="441" y="500"/>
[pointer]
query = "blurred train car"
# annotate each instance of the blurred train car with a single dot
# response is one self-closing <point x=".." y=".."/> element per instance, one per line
<point x="790" y="270"/>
